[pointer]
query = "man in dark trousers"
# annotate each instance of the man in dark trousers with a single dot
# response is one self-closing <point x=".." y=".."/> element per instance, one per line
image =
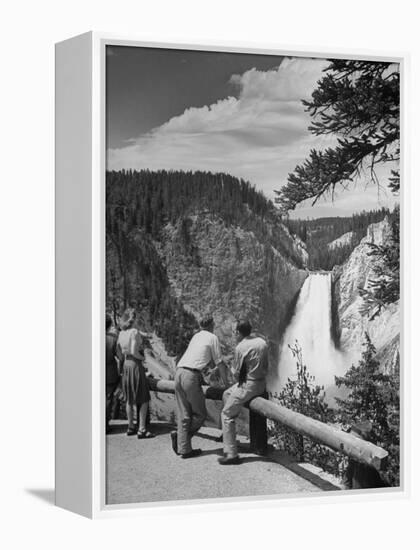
<point x="250" y="369"/>
<point x="111" y="373"/>
<point x="203" y="351"/>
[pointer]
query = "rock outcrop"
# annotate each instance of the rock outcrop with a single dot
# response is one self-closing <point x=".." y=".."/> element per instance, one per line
<point x="354" y="274"/>
<point x="341" y="241"/>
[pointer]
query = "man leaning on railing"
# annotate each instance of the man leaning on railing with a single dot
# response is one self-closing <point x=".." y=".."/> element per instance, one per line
<point x="203" y="351"/>
<point x="250" y="368"/>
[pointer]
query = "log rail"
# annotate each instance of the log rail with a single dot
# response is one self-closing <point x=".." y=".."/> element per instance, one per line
<point x="354" y="447"/>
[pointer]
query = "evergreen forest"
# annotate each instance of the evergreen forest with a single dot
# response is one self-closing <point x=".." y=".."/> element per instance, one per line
<point x="318" y="233"/>
<point x="139" y="204"/>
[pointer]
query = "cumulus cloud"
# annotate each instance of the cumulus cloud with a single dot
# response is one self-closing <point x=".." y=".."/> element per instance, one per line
<point x="260" y="135"/>
<point x="292" y="81"/>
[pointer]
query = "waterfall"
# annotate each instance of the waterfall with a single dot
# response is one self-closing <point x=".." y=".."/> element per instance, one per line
<point x="311" y="327"/>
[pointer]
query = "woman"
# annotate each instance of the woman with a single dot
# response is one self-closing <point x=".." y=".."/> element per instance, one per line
<point x="134" y="382"/>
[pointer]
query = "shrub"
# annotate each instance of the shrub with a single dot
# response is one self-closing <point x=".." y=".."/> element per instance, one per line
<point x="303" y="395"/>
<point x="374" y="398"/>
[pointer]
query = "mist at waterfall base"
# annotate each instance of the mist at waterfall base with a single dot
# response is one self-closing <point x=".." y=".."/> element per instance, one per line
<point x="310" y="327"/>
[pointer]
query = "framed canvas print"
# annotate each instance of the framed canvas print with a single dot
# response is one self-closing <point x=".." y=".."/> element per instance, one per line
<point x="228" y="274"/>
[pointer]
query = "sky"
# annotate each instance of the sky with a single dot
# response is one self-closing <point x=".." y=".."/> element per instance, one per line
<point x="223" y="112"/>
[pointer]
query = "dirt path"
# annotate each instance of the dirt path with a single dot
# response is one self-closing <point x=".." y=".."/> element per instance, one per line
<point x="149" y="471"/>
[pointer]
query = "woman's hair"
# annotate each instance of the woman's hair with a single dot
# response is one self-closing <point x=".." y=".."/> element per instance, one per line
<point x="128" y="318"/>
<point x="108" y="321"/>
<point x="207" y="322"/>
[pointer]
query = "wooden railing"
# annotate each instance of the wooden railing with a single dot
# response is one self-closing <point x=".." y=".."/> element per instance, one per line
<point x="357" y="449"/>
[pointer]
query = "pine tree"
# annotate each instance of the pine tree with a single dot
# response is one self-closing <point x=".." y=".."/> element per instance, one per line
<point x="359" y="103"/>
<point x="374" y="398"/>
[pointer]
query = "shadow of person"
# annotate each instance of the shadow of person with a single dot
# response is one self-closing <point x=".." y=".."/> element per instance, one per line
<point x="118" y="427"/>
<point x="47" y="495"/>
<point x="217" y="439"/>
<point x="218" y="452"/>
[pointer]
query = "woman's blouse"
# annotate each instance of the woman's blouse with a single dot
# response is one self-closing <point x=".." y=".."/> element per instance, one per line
<point x="131" y="343"/>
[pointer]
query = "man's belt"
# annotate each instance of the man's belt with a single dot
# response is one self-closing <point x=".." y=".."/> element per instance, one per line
<point x="132" y="357"/>
<point x="189" y="368"/>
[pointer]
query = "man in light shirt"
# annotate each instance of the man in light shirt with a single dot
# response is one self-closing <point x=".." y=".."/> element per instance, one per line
<point x="203" y="351"/>
<point x="250" y="370"/>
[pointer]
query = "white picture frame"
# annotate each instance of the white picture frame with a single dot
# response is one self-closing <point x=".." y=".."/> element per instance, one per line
<point x="80" y="274"/>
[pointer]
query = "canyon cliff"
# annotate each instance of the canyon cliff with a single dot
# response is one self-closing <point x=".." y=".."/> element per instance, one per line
<point x="184" y="245"/>
<point x="230" y="273"/>
<point x="350" y="324"/>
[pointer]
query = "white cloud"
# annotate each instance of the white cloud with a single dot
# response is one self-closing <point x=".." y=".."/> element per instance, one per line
<point x="267" y="114"/>
<point x="292" y="81"/>
<point x="260" y="136"/>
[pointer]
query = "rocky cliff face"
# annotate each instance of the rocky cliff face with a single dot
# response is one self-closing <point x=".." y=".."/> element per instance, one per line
<point x="348" y="278"/>
<point x="227" y="271"/>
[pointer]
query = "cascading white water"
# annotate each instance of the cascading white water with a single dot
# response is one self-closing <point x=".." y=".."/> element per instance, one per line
<point x="310" y="326"/>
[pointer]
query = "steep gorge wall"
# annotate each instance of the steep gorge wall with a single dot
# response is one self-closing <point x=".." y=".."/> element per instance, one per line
<point x="226" y="271"/>
<point x="384" y="330"/>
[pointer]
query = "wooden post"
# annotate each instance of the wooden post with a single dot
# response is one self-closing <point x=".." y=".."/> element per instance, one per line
<point x="362" y="476"/>
<point x="258" y="433"/>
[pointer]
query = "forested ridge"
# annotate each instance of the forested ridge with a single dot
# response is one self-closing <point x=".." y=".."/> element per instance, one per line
<point x="150" y="199"/>
<point x="140" y="204"/>
<point x="318" y="233"/>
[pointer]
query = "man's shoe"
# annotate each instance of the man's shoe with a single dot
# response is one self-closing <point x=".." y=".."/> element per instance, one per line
<point x="145" y="434"/>
<point x="131" y="431"/>
<point x="227" y="461"/>
<point x="174" y="440"/>
<point x="192" y="454"/>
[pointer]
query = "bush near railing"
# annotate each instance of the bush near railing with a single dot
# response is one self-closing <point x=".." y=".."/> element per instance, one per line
<point x="373" y="397"/>
<point x="302" y="395"/>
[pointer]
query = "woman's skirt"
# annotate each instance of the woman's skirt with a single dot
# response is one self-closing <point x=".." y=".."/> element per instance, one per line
<point x="134" y="383"/>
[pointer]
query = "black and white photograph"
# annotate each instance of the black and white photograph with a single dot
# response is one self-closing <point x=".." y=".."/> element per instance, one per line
<point x="252" y="264"/>
<point x="210" y="309"/>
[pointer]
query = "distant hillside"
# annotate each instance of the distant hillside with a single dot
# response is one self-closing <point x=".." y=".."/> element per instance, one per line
<point x="345" y="239"/>
<point x="319" y="234"/>
<point x="183" y="244"/>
